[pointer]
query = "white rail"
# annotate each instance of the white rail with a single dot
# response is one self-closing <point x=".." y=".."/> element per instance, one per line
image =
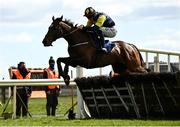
<point x="30" y="82"/>
<point x="157" y="52"/>
<point x="33" y="82"/>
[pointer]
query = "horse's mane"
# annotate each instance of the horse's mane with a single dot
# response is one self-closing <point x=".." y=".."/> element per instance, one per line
<point x="69" y="22"/>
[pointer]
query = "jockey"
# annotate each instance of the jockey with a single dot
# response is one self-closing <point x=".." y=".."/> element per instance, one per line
<point x="101" y="24"/>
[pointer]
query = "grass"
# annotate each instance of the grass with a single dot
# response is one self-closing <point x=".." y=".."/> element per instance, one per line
<point x="37" y="107"/>
<point x="57" y="121"/>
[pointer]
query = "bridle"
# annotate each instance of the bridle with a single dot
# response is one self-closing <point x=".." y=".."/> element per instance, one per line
<point x="68" y="27"/>
<point x="71" y="32"/>
<point x="64" y="35"/>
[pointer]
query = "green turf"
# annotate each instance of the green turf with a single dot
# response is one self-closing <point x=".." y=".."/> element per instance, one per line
<point x="37" y="106"/>
<point x="57" y="121"/>
<point x="37" y="109"/>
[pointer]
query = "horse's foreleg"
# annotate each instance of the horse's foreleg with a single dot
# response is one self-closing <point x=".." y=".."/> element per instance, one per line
<point x="67" y="61"/>
<point x="66" y="69"/>
<point x="64" y="73"/>
<point x="60" y="70"/>
<point x="66" y="76"/>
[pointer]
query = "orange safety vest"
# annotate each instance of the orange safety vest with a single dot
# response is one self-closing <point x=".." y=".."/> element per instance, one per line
<point x="19" y="76"/>
<point x="51" y="75"/>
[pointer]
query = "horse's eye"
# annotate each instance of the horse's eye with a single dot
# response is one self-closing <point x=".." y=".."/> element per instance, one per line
<point x="57" y="27"/>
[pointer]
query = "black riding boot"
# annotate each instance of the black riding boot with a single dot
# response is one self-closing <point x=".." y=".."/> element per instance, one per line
<point x="100" y="39"/>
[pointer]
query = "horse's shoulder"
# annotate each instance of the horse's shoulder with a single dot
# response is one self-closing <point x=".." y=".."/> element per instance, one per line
<point x="118" y="42"/>
<point x="122" y="43"/>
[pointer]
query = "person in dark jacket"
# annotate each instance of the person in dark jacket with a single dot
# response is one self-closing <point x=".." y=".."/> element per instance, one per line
<point x="52" y="91"/>
<point x="23" y="92"/>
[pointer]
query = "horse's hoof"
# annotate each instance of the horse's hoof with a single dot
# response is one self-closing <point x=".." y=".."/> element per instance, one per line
<point x="67" y="80"/>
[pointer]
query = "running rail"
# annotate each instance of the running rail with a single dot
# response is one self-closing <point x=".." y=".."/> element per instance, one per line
<point x="34" y="82"/>
<point x="30" y="82"/>
<point x="158" y="52"/>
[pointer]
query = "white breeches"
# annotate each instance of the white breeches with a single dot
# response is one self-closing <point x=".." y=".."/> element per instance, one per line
<point x="109" y="32"/>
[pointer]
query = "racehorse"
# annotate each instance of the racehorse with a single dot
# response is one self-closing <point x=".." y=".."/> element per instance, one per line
<point x="124" y="57"/>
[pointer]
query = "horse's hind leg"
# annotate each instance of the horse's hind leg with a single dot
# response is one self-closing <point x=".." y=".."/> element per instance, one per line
<point x="119" y="69"/>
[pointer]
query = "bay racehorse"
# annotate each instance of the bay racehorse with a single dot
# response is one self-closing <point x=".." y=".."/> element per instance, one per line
<point x="124" y="57"/>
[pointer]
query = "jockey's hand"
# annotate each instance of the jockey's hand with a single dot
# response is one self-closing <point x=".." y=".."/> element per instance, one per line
<point x="80" y="27"/>
<point x="87" y="29"/>
<point x="95" y="27"/>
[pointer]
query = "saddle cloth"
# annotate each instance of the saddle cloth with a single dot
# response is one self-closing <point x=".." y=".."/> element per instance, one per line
<point x="108" y="45"/>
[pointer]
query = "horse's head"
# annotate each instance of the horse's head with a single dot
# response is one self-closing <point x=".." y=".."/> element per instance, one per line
<point x="56" y="30"/>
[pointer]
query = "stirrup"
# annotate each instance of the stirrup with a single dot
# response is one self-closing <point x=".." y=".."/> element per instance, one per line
<point x="102" y="50"/>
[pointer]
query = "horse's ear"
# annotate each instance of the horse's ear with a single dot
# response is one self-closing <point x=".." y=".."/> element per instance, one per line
<point x="53" y="18"/>
<point x="76" y="25"/>
<point x="61" y="17"/>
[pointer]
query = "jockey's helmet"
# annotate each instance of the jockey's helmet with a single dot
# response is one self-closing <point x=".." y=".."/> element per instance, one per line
<point x="89" y="12"/>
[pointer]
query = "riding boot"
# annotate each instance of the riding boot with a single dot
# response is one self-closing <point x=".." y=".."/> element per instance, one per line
<point x="100" y="38"/>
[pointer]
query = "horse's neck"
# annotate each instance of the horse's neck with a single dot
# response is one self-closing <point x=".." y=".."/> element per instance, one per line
<point x="75" y="37"/>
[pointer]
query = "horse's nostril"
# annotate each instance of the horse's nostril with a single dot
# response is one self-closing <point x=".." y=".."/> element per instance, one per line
<point x="45" y="43"/>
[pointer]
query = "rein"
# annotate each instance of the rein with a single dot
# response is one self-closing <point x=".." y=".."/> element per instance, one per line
<point x="70" y="32"/>
<point x="83" y="43"/>
<point x="79" y="44"/>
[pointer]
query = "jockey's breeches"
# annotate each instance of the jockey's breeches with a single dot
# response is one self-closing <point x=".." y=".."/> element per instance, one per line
<point x="109" y="32"/>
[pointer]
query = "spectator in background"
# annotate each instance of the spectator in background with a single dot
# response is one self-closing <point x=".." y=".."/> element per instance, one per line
<point x="23" y="92"/>
<point x="52" y="91"/>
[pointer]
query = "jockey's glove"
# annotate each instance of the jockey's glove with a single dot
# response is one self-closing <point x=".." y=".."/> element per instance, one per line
<point x="86" y="29"/>
<point x="95" y="27"/>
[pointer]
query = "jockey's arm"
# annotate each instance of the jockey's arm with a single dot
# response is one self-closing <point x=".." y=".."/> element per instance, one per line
<point x="89" y="23"/>
<point x="100" y="21"/>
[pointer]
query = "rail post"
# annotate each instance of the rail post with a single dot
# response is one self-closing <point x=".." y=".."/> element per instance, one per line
<point x="156" y="63"/>
<point x="14" y="102"/>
